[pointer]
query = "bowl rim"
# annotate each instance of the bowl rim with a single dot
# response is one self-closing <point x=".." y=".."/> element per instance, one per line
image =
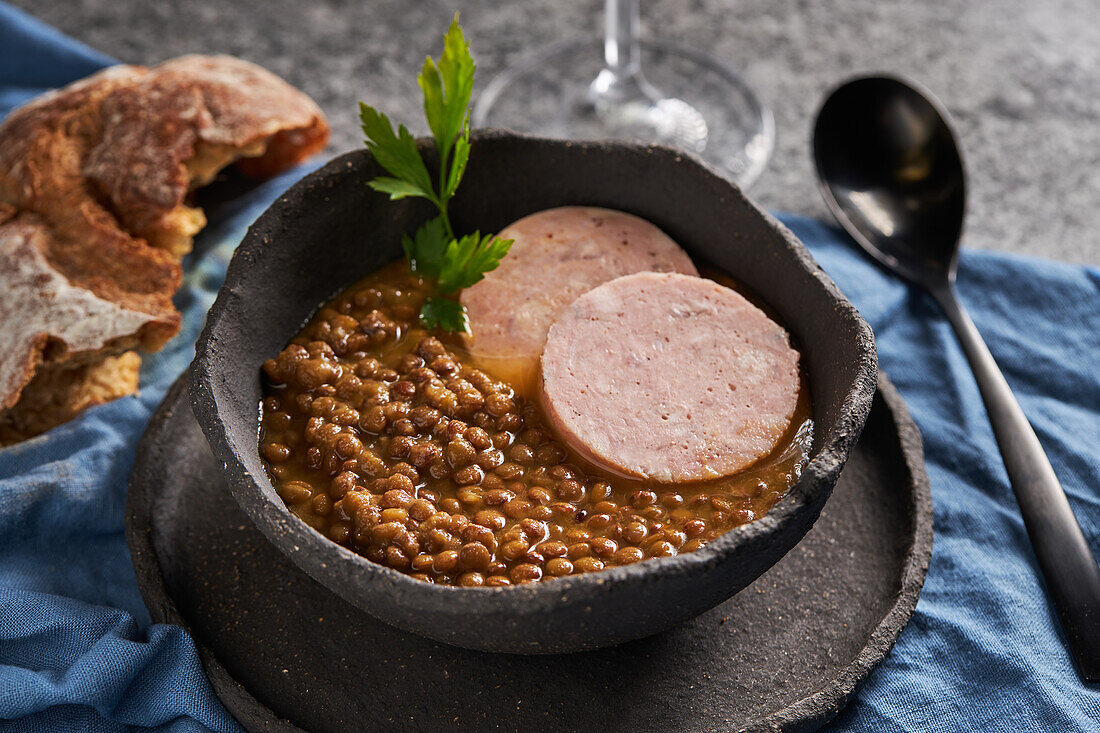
<point x="317" y="555"/>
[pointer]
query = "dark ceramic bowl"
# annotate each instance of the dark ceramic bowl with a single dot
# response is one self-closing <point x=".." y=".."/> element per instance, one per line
<point x="330" y="230"/>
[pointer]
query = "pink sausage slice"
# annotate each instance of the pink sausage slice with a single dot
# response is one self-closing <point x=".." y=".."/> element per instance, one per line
<point x="557" y="255"/>
<point x="669" y="377"/>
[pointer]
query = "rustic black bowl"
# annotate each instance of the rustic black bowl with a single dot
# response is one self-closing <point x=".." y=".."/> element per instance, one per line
<point x="330" y="230"/>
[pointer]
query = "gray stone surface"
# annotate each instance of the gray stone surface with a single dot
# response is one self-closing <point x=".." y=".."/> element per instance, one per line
<point x="1021" y="78"/>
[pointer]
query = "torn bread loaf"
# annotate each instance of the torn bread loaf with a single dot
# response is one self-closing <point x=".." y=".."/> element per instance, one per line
<point x="94" y="217"/>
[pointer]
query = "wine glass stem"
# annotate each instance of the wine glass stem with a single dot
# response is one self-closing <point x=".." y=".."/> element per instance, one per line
<point x="621" y="51"/>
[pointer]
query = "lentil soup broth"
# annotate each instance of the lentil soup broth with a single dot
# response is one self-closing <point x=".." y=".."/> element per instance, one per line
<point x="393" y="443"/>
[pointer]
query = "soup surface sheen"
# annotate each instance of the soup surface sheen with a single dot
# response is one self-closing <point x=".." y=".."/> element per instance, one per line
<point x="395" y="444"/>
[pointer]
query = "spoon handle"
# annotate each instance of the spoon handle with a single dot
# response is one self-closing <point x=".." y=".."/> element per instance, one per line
<point x="1071" y="573"/>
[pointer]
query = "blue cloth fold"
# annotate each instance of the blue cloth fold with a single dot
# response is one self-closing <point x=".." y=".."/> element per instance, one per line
<point x="983" y="651"/>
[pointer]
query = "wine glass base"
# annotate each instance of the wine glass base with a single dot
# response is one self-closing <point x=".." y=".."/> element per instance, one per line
<point x="688" y="100"/>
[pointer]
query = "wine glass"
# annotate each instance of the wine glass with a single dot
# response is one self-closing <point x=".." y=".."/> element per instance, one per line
<point x="686" y="99"/>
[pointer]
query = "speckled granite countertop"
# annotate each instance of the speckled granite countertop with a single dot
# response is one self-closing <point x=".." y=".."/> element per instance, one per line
<point x="1022" y="79"/>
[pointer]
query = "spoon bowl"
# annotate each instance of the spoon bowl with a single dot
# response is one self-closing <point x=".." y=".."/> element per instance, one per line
<point x="891" y="172"/>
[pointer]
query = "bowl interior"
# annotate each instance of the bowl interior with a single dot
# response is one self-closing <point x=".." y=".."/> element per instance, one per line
<point x="330" y="230"/>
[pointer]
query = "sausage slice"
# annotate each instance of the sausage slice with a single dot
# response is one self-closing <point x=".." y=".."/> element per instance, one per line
<point x="669" y="377"/>
<point x="557" y="255"/>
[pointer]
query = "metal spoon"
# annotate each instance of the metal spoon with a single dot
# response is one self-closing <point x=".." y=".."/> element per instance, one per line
<point x="891" y="172"/>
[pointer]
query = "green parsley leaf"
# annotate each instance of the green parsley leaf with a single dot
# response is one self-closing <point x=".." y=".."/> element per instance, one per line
<point x="458" y="165"/>
<point x="450" y="315"/>
<point x="395" y="187"/>
<point x="466" y="260"/>
<point x="397" y="153"/>
<point x="447" y="88"/>
<point x="424" y="250"/>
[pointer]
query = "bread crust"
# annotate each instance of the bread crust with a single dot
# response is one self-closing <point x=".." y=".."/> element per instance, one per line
<point x="94" y="180"/>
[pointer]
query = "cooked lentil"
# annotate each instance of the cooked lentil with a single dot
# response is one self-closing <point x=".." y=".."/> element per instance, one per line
<point x="393" y="443"/>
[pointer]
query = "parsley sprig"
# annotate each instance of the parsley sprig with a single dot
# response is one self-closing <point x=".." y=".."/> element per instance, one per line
<point x="434" y="250"/>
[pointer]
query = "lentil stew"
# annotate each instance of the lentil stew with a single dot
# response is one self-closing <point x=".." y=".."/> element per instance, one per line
<point x="393" y="442"/>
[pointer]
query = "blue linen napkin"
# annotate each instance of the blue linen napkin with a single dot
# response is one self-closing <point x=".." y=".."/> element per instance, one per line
<point x="983" y="651"/>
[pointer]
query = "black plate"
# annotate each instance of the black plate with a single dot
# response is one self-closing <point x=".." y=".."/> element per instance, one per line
<point x="282" y="651"/>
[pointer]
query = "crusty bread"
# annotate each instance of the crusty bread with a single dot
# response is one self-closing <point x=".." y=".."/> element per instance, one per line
<point x="94" y="180"/>
<point x="46" y="320"/>
<point x="60" y="392"/>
